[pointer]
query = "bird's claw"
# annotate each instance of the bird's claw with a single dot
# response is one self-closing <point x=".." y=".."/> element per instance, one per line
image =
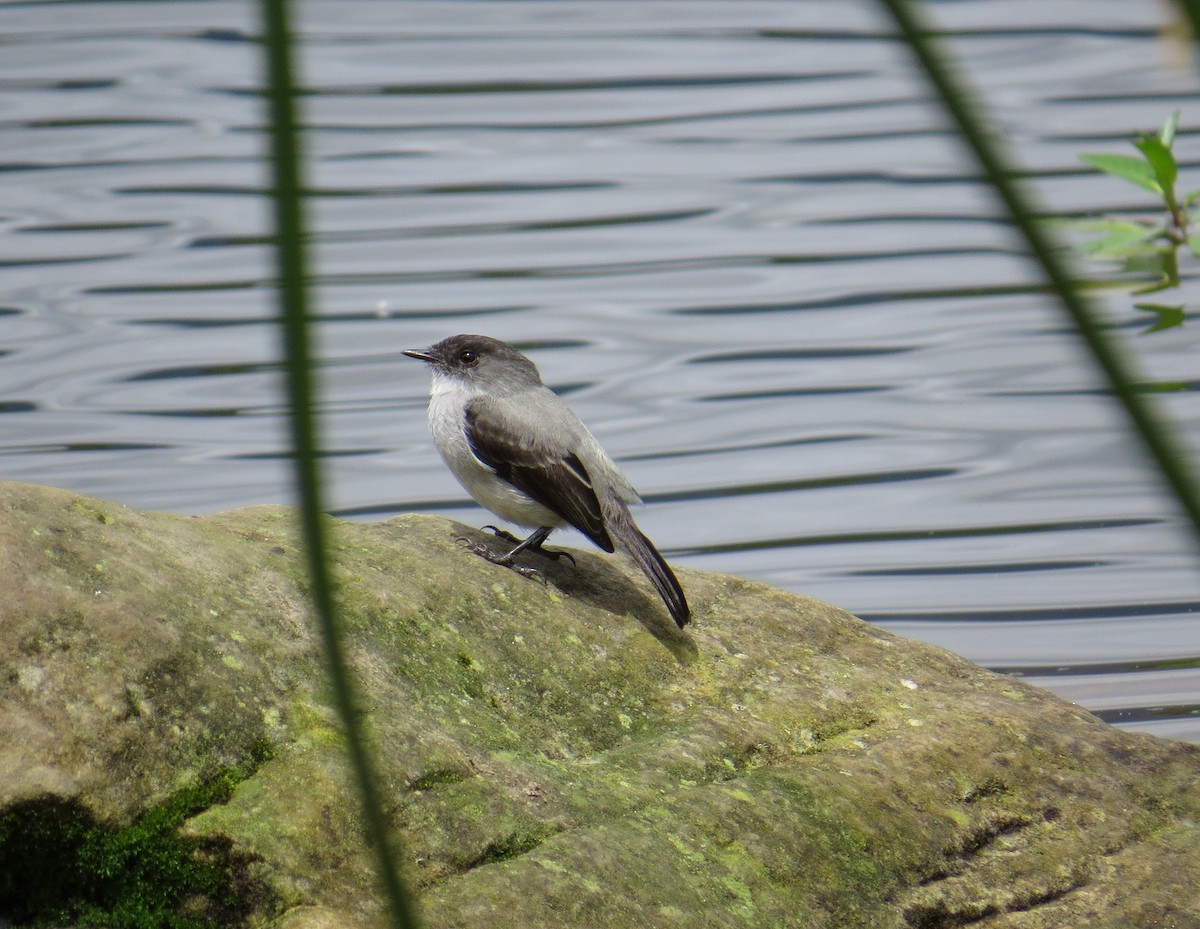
<point x="478" y="548"/>
<point x="475" y="548"/>
<point x="502" y="534"/>
<point x="532" y="573"/>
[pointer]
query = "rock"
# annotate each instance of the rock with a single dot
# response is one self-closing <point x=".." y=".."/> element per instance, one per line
<point x="550" y="755"/>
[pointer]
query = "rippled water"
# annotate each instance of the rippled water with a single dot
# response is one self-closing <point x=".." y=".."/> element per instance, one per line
<point x="738" y="235"/>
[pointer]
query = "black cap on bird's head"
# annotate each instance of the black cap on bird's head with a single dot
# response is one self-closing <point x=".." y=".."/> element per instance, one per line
<point x="479" y="357"/>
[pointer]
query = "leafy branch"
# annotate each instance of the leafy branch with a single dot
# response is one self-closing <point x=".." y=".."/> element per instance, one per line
<point x="1147" y="245"/>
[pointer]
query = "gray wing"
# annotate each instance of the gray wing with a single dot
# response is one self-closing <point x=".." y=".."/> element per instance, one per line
<point x="550" y="473"/>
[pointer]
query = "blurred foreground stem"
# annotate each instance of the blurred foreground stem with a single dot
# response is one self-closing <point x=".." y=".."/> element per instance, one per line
<point x="1162" y="442"/>
<point x="292" y="274"/>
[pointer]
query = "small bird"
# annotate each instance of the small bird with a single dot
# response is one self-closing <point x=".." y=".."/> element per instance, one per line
<point x="519" y="451"/>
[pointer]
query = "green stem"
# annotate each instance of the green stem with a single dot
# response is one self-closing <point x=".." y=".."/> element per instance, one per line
<point x="1191" y="10"/>
<point x="1180" y="217"/>
<point x="1160" y="442"/>
<point x="292" y="264"/>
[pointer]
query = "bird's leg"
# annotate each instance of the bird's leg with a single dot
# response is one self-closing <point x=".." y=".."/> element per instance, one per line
<point x="532" y="544"/>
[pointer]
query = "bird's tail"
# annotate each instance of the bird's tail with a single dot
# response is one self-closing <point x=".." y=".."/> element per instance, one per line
<point x="631" y="541"/>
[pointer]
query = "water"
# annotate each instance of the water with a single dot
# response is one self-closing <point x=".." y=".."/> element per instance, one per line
<point x="739" y="237"/>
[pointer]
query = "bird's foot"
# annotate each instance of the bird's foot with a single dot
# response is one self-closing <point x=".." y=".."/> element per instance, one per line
<point x="502" y="534"/>
<point x="552" y="553"/>
<point x="532" y="573"/>
<point x="478" y="548"/>
<point x="555" y="553"/>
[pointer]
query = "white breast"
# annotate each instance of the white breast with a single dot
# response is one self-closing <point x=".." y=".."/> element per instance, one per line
<point x="447" y="403"/>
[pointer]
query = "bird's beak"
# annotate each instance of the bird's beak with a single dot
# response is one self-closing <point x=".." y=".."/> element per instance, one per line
<point x="420" y="356"/>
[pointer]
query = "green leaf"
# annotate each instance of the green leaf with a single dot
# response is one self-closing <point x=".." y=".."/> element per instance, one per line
<point x="1121" y="239"/>
<point x="1162" y="162"/>
<point x="1126" y="167"/>
<point x="1166" y="134"/>
<point x="1161" y="284"/>
<point x="1083" y="223"/>
<point x="1162" y="263"/>
<point x="1191" y="198"/>
<point x="1194" y="244"/>
<point x="1168" y="316"/>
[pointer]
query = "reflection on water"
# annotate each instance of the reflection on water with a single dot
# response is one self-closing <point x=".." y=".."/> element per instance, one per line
<point x="738" y="235"/>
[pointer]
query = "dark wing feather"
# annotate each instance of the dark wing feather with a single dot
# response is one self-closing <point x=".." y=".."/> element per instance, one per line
<point x="559" y="482"/>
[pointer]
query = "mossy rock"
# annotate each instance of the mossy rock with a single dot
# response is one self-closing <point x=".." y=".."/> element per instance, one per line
<point x="549" y="755"/>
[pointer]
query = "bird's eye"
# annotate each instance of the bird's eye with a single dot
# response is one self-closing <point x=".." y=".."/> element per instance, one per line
<point x="468" y="357"/>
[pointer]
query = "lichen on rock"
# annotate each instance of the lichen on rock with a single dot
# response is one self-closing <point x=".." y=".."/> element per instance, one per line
<point x="550" y="755"/>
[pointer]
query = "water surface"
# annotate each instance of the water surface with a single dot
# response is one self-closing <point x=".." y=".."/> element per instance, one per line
<point x="738" y="236"/>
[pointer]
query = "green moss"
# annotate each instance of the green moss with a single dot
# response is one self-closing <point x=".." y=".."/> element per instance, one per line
<point x="94" y="509"/>
<point x="430" y="779"/>
<point x="514" y="844"/>
<point x="58" y="864"/>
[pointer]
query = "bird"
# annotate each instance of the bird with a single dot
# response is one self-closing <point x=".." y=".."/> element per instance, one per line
<point x="520" y="451"/>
